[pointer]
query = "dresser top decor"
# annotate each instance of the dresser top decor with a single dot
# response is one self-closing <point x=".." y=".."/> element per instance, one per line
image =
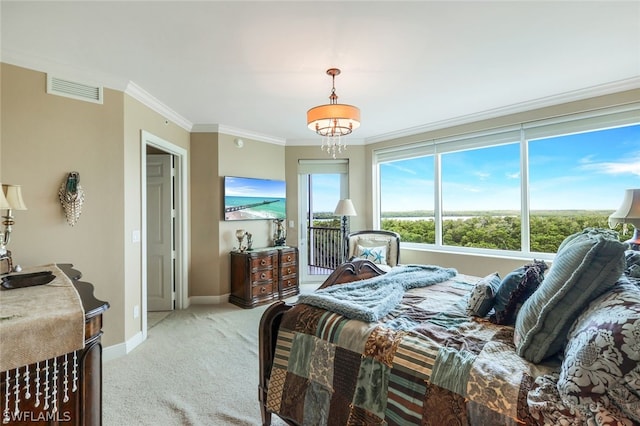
<point x="30" y="316"/>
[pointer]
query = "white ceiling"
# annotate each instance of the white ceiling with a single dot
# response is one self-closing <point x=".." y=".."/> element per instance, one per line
<point x="258" y="66"/>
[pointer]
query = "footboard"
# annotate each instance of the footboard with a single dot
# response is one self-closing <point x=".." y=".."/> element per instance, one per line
<point x="270" y="322"/>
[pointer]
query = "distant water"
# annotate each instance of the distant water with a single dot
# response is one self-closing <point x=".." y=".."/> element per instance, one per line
<point x="275" y="210"/>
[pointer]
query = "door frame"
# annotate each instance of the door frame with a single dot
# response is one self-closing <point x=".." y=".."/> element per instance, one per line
<point x="311" y="167"/>
<point x="181" y="228"/>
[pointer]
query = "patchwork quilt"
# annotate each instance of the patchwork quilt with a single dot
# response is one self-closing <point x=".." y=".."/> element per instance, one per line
<point x="425" y="363"/>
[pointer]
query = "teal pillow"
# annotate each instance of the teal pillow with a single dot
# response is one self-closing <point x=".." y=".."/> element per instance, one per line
<point x="374" y="254"/>
<point x="586" y="265"/>
<point x="514" y="289"/>
<point x="481" y="297"/>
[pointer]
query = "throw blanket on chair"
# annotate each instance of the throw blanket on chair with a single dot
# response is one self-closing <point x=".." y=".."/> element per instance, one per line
<point x="371" y="299"/>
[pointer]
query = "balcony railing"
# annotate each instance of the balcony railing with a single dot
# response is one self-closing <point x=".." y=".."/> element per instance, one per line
<point x="327" y="248"/>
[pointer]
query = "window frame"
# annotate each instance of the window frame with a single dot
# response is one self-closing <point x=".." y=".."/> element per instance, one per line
<point x="605" y="118"/>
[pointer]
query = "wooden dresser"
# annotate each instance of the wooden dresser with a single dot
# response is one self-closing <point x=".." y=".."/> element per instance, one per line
<point x="261" y="276"/>
<point x="82" y="407"/>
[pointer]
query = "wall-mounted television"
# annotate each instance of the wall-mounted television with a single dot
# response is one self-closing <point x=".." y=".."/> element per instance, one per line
<point x="252" y="198"/>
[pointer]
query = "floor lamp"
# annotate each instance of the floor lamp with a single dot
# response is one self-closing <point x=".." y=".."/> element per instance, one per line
<point x="345" y="208"/>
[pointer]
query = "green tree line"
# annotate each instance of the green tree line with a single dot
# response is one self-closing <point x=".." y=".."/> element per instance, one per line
<point x="498" y="232"/>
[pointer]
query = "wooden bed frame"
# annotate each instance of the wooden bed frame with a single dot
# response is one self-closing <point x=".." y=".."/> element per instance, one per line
<point x="270" y="323"/>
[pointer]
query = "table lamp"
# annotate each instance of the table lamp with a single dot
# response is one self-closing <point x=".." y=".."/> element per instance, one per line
<point x="629" y="212"/>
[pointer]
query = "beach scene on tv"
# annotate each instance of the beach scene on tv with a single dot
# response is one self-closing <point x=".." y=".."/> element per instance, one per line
<point x="251" y="198"/>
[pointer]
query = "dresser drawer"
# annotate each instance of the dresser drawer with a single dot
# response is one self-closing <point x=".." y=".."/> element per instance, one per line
<point x="289" y="281"/>
<point x="262" y="290"/>
<point x="266" y="275"/>
<point x="262" y="262"/>
<point x="288" y="256"/>
<point x="288" y="270"/>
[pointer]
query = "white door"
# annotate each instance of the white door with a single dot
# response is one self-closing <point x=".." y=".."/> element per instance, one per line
<point x="160" y="222"/>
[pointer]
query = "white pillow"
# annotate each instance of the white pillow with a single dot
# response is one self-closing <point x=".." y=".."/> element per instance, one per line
<point x="374" y="254"/>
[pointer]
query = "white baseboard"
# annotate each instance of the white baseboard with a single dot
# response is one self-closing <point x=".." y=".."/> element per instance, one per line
<point x="121" y="349"/>
<point x="208" y="300"/>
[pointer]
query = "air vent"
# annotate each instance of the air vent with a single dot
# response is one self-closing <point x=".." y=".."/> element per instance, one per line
<point x="74" y="90"/>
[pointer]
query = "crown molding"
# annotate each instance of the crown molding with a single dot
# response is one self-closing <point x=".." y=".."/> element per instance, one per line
<point x="575" y="95"/>
<point x="234" y="131"/>
<point x="150" y="101"/>
<point x="92" y="77"/>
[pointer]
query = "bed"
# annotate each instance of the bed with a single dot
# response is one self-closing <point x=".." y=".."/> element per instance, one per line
<point x="427" y="361"/>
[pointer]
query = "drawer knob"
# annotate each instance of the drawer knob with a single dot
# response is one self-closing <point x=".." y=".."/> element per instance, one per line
<point x="289" y="258"/>
<point x="263" y="275"/>
<point x="263" y="262"/>
<point x="263" y="289"/>
<point x="289" y="271"/>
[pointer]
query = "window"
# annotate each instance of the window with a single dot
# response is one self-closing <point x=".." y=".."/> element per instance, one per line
<point x="521" y="189"/>
<point x="406" y="198"/>
<point x="481" y="197"/>
<point x="577" y="180"/>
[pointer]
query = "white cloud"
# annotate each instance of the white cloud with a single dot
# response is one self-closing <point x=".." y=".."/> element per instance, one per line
<point x="630" y="166"/>
<point x="586" y="160"/>
<point x="402" y="169"/>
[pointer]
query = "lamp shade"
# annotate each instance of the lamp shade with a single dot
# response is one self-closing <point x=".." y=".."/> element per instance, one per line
<point x="4" y="204"/>
<point x="629" y="211"/>
<point x="333" y="119"/>
<point x="13" y="195"/>
<point x="345" y="208"/>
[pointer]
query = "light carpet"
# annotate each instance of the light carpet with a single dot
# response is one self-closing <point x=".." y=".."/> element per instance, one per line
<point x="198" y="366"/>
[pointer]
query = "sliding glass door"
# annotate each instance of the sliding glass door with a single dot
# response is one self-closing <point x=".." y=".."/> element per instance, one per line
<point x="322" y="184"/>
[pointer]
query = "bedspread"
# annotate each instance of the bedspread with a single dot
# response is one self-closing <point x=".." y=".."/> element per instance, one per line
<point x="425" y="363"/>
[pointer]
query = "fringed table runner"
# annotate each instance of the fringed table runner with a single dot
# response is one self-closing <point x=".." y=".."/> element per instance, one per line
<point x="41" y="327"/>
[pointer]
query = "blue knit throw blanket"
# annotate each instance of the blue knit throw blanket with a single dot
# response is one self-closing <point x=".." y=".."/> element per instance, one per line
<point x="371" y="299"/>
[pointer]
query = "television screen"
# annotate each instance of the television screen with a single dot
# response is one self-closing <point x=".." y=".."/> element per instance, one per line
<point x="251" y="198"/>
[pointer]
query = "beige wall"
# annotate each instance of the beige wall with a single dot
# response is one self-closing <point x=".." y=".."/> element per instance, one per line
<point x="44" y="137"/>
<point x="213" y="156"/>
<point x="256" y="160"/>
<point x="205" y="215"/>
<point x="138" y="117"/>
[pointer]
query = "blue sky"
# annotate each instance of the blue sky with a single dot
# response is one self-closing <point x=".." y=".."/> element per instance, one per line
<point x="248" y="187"/>
<point x="325" y="192"/>
<point x="581" y="171"/>
<point x="585" y="171"/>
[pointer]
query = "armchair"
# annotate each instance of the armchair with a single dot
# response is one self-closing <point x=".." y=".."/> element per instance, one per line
<point x="379" y="246"/>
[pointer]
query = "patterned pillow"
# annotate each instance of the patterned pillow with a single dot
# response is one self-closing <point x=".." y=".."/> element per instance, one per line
<point x="632" y="259"/>
<point x="603" y="350"/>
<point x="514" y="289"/>
<point x="585" y="267"/>
<point x="374" y="254"/>
<point x="481" y="297"/>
